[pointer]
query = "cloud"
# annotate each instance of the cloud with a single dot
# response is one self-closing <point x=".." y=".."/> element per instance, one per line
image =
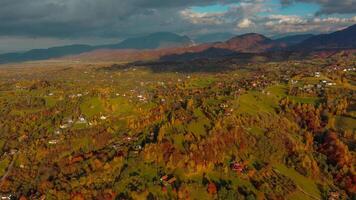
<point x="236" y="17"/>
<point x="126" y="18"/>
<point x="72" y="20"/>
<point x="76" y="18"/>
<point x="245" y="23"/>
<point x="115" y="18"/>
<point x="298" y="24"/>
<point x="202" y="18"/>
<point x="329" y="6"/>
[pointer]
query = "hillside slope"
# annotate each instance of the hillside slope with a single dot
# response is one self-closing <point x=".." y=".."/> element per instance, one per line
<point x="337" y="40"/>
<point x="154" y="41"/>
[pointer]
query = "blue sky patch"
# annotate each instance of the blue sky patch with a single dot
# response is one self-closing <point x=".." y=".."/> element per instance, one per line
<point x="211" y="8"/>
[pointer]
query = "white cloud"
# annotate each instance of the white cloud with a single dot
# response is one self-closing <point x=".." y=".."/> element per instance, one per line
<point x="238" y="15"/>
<point x="245" y="23"/>
<point x="72" y="20"/>
<point x="203" y="18"/>
<point x="299" y="24"/>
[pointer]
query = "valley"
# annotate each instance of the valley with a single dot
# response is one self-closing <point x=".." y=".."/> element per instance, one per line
<point x="216" y="129"/>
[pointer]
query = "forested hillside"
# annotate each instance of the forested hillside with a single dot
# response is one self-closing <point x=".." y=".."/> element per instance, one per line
<point x="264" y="130"/>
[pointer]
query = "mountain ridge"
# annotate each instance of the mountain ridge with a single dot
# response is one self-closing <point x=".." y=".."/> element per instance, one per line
<point x="213" y="37"/>
<point x="152" y="41"/>
<point x="345" y="38"/>
<point x="294" y="39"/>
<point x="166" y="43"/>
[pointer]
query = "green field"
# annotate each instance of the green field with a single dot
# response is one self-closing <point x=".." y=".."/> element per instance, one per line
<point x="308" y="186"/>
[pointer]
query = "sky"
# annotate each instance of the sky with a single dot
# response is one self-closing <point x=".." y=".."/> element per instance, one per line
<point x="29" y="24"/>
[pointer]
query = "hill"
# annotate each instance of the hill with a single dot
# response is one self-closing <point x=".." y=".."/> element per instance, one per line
<point x="250" y="42"/>
<point x="213" y="37"/>
<point x="247" y="43"/>
<point x="154" y="41"/>
<point x="172" y="46"/>
<point x="343" y="39"/>
<point x="294" y="39"/>
<point x="206" y="129"/>
<point x="43" y="54"/>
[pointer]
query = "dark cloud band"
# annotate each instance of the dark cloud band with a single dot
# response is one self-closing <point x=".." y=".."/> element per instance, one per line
<point x="124" y="18"/>
<point x="329" y="6"/>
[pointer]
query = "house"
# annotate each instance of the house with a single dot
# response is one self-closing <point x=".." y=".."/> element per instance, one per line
<point x="103" y="118"/>
<point x="224" y="105"/>
<point x="334" y="196"/>
<point x="172" y="180"/>
<point x="13" y="151"/>
<point x="317" y="74"/>
<point x="293" y="82"/>
<point x="81" y="120"/>
<point x="331" y="84"/>
<point x="164" y="178"/>
<point x="6" y="196"/>
<point x="53" y="142"/>
<point x="237" y="167"/>
<point x="64" y="126"/>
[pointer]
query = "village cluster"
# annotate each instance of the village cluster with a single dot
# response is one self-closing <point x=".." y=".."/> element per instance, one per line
<point x="265" y="130"/>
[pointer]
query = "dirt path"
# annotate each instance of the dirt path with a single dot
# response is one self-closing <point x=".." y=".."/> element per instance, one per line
<point x="9" y="168"/>
<point x="306" y="193"/>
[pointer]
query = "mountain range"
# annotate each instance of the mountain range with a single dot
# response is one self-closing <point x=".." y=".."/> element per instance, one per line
<point x="293" y="39"/>
<point x="213" y="37"/>
<point x="169" y="45"/>
<point x="343" y="39"/>
<point x="153" y="41"/>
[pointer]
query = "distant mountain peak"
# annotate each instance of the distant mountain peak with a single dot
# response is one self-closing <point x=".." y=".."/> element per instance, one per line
<point x="165" y="43"/>
<point x="343" y="39"/>
<point x="253" y="36"/>
<point x="213" y="37"/>
<point x="250" y="42"/>
<point x="154" y="41"/>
